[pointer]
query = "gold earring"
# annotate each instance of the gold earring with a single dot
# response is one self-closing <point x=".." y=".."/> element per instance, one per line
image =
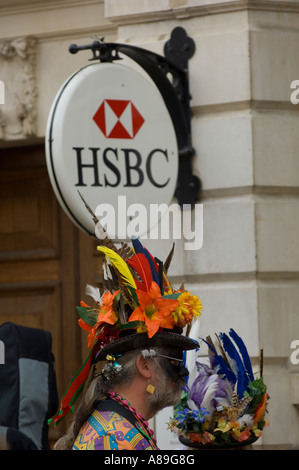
<point x="150" y="389"/>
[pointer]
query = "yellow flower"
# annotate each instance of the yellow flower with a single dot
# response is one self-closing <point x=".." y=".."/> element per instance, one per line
<point x="189" y="307"/>
<point x="256" y="431"/>
<point x="205" y="425"/>
<point x="223" y="425"/>
<point x="142" y="329"/>
<point x="235" y="428"/>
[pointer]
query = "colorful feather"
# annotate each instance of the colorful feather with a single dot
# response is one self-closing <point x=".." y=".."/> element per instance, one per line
<point x="209" y="390"/>
<point x="94" y="293"/>
<point x="169" y="259"/>
<point x="100" y="231"/>
<point x="244" y="353"/>
<point x="109" y="277"/>
<point x="140" y="264"/>
<point x="237" y="364"/>
<point x="125" y="251"/>
<point x="220" y="365"/>
<point x="160" y="274"/>
<point x="119" y="264"/>
<point x="139" y="248"/>
<point x="167" y="283"/>
<point x="233" y="363"/>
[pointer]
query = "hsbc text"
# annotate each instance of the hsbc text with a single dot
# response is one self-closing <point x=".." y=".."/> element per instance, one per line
<point x="111" y="159"/>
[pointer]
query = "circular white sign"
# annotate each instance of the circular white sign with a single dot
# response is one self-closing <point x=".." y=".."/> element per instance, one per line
<point x="110" y="137"/>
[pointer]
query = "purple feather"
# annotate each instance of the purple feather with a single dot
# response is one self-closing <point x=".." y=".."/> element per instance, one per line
<point x="209" y="390"/>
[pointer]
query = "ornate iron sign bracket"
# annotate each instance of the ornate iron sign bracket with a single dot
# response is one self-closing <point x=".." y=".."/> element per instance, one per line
<point x="170" y="74"/>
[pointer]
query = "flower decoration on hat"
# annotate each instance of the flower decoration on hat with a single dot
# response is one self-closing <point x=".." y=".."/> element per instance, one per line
<point x="103" y="315"/>
<point x="224" y="404"/>
<point x="137" y="294"/>
<point x="189" y="307"/>
<point x="154" y="310"/>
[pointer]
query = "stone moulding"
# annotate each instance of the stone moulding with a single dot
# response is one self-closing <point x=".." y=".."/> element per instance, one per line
<point x="18" y="114"/>
<point x="181" y="10"/>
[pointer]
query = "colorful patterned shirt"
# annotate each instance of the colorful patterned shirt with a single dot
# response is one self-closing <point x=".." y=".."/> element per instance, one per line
<point x="108" y="430"/>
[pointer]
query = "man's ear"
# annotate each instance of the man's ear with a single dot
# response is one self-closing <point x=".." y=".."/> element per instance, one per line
<point x="144" y="367"/>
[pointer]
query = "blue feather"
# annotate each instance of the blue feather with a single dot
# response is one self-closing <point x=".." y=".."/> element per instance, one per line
<point x="244" y="353"/>
<point x="231" y="350"/>
<point x="222" y="368"/>
<point x="160" y="274"/>
<point x="139" y="248"/>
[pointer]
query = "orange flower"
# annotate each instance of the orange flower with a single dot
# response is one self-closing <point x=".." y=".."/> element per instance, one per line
<point x="106" y="313"/>
<point x="154" y="310"/>
<point x="90" y="329"/>
<point x="205" y="438"/>
<point x="242" y="436"/>
<point x="85" y="326"/>
<point x="260" y="410"/>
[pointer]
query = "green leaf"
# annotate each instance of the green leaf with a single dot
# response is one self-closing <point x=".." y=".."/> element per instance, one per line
<point x="115" y="302"/>
<point x="256" y="390"/>
<point x="171" y="296"/>
<point x="133" y="294"/>
<point x="88" y="315"/>
<point x="131" y="324"/>
<point x="183" y="403"/>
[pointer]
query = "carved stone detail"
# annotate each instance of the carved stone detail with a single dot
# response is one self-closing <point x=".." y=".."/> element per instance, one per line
<point x="18" y="73"/>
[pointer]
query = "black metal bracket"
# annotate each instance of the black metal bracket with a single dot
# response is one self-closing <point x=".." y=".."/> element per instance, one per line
<point x="170" y="74"/>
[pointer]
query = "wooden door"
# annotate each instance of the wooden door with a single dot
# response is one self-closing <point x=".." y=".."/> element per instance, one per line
<point x="45" y="261"/>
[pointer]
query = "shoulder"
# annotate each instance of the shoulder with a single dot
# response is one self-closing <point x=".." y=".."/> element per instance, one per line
<point x="107" y="430"/>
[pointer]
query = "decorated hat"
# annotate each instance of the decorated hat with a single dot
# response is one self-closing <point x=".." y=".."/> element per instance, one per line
<point x="135" y="306"/>
<point x="225" y="403"/>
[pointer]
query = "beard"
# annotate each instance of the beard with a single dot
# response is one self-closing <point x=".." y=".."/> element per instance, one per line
<point x="167" y="393"/>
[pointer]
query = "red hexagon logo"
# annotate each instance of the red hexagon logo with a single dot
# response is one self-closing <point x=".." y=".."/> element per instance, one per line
<point x="118" y="119"/>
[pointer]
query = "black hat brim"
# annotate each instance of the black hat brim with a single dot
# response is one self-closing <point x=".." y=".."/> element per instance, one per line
<point x="141" y="340"/>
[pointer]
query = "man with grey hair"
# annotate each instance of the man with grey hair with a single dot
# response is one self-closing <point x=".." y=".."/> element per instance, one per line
<point x="130" y="389"/>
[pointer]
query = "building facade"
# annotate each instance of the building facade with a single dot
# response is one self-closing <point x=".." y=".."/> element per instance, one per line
<point x="245" y="123"/>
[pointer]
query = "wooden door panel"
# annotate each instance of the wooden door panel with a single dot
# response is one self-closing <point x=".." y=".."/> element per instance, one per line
<point x="28" y="215"/>
<point x="34" y="307"/>
<point x="45" y="261"/>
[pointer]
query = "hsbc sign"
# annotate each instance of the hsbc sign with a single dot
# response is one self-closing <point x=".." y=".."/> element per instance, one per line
<point x="118" y="119"/>
<point x="110" y="135"/>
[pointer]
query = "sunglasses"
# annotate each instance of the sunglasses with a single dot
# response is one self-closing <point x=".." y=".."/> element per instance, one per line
<point x="173" y="360"/>
<point x="177" y="364"/>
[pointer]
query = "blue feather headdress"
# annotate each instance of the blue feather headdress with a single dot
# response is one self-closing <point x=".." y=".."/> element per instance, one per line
<point x="224" y="404"/>
<point x="234" y="362"/>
